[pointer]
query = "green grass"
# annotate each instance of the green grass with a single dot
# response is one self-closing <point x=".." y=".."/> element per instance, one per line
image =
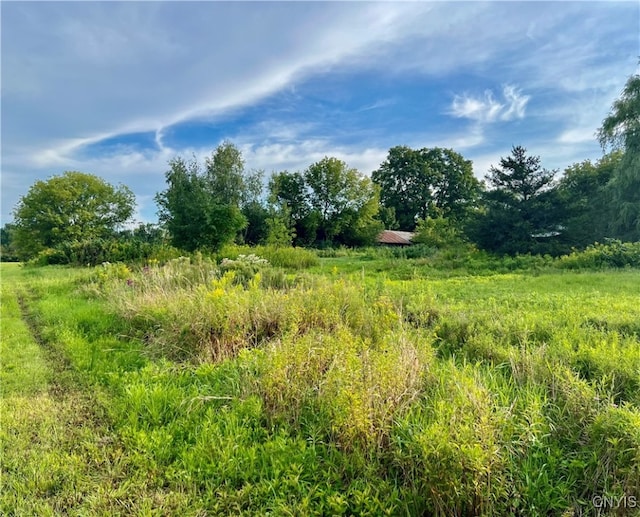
<point x="24" y="369"/>
<point x="364" y="385"/>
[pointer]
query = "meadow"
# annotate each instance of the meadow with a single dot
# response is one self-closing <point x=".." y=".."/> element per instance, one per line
<point x="280" y="382"/>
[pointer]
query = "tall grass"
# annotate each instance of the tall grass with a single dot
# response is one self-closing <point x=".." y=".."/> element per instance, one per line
<point x="245" y="388"/>
<point x="277" y="256"/>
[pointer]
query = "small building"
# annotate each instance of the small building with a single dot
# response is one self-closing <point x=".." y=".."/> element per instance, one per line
<point x="395" y="238"/>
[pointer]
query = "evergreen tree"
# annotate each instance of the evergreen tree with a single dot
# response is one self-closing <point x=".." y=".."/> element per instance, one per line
<point x="521" y="212"/>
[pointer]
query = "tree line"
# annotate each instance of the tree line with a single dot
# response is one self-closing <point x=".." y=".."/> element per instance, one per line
<point x="520" y="207"/>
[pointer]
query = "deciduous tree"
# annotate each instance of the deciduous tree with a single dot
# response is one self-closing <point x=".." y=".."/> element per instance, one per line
<point x="290" y="199"/>
<point x="621" y="130"/>
<point x="345" y="200"/>
<point x="421" y="183"/>
<point x="201" y="209"/>
<point x="70" y="207"/>
<point x="585" y="198"/>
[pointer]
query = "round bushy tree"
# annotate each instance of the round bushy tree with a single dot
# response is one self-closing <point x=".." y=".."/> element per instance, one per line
<point x="66" y="208"/>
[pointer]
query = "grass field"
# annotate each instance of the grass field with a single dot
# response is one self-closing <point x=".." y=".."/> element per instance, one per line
<point x="351" y="385"/>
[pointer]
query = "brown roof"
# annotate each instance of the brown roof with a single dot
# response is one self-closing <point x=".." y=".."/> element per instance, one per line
<point x="395" y="237"/>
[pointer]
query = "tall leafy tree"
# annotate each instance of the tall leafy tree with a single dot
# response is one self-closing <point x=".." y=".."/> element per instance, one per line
<point x="343" y="198"/>
<point x="254" y="209"/>
<point x="621" y="130"/>
<point x="406" y="185"/>
<point x="420" y="183"/>
<point x="225" y="174"/>
<point x="360" y="223"/>
<point x="185" y="206"/>
<point x="201" y="208"/>
<point x="521" y="207"/>
<point x="584" y="196"/>
<point x="256" y="214"/>
<point x="70" y="207"/>
<point x="455" y="189"/>
<point x="289" y="190"/>
<point x="290" y="200"/>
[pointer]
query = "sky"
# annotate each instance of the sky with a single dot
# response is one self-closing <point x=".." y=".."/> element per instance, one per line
<point x="117" y="89"/>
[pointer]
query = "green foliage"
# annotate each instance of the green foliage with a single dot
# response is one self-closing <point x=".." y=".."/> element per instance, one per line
<point x="624" y="189"/>
<point x="201" y="209"/>
<point x="611" y="254"/>
<point x="289" y="258"/>
<point x="346" y="201"/>
<point x="278" y="256"/>
<point x="278" y="232"/>
<point x="621" y="130"/>
<point x="521" y="210"/>
<point x="7" y="248"/>
<point x="437" y="232"/>
<point x="288" y="194"/>
<point x="67" y="208"/>
<point x="417" y="184"/>
<point x="585" y="198"/>
<point x="225" y="176"/>
<point x="451" y="450"/>
<point x="245" y="268"/>
<point x="327" y="205"/>
<point x="257" y="229"/>
<point x="91" y="252"/>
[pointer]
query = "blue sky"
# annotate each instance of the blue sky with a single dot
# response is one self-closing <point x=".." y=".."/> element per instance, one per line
<point x="118" y="88"/>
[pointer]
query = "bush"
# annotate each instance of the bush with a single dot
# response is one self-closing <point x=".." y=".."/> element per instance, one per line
<point x="612" y="254"/>
<point x="437" y="232"/>
<point x="245" y="267"/>
<point x="8" y="254"/>
<point x="91" y="252"/>
<point x="49" y="256"/>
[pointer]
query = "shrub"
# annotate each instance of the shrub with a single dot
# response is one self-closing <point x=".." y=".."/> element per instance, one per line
<point x="91" y="252"/>
<point x="245" y="267"/>
<point x="611" y="254"/>
<point x="437" y="232"/>
<point x="49" y="256"/>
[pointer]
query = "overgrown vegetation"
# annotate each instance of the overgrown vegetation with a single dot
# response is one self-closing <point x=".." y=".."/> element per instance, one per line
<point x="242" y="386"/>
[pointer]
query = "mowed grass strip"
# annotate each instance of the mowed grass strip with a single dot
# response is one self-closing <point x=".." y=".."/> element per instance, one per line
<point x="57" y="455"/>
<point x="23" y="369"/>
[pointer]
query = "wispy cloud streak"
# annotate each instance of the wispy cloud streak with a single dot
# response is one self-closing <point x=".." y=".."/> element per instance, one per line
<point x="486" y="108"/>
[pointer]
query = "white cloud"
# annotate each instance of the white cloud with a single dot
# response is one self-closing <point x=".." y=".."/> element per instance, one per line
<point x="487" y="109"/>
<point x="298" y="156"/>
<point x="577" y="135"/>
<point x="218" y="57"/>
<point x="77" y="73"/>
<point x="516" y="103"/>
<point x="382" y="103"/>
